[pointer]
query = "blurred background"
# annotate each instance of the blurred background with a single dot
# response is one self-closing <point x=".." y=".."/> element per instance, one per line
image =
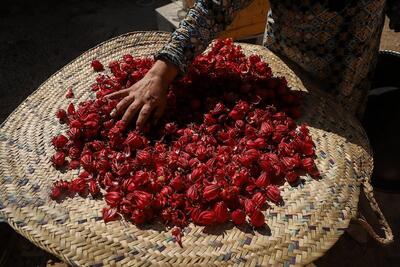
<point x="37" y="38"/>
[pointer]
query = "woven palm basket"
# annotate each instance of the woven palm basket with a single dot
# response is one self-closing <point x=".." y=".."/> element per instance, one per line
<point x="314" y="216"/>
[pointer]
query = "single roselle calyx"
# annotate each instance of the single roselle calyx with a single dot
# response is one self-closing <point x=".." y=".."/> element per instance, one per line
<point x="97" y="66"/>
<point x="87" y="162"/>
<point x="177" y="233"/>
<point x="56" y="193"/>
<point x="74" y="164"/>
<point x="144" y="157"/>
<point x="78" y="185"/>
<point x="70" y="93"/>
<point x="74" y="152"/>
<point x="134" y="141"/>
<point x="236" y="114"/>
<point x="61" y="114"/>
<point x="207" y="217"/>
<point x="308" y="164"/>
<point x="74" y="133"/>
<point x="142" y="199"/>
<point x="291" y="162"/>
<point x="177" y="183"/>
<point x="110" y="214"/>
<point x="209" y="120"/>
<point x="58" y="159"/>
<point x="94" y="188"/>
<point x="71" y="109"/>
<point x="238" y="217"/>
<point x="138" y="217"/>
<point x="263" y="180"/>
<point x="141" y="178"/>
<point x="221" y="212"/>
<point x="102" y="165"/>
<point x="257" y="218"/>
<point x="192" y="193"/>
<point x="273" y="194"/>
<point x="249" y="206"/>
<point x="217" y="154"/>
<point x="59" y="141"/>
<point x="211" y="192"/>
<point x="197" y="173"/>
<point x="75" y="124"/>
<point x="113" y="198"/>
<point x="292" y="177"/>
<point x="218" y="109"/>
<point x="259" y="199"/>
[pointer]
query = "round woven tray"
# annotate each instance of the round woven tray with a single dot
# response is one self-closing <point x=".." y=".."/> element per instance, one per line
<point x="310" y="222"/>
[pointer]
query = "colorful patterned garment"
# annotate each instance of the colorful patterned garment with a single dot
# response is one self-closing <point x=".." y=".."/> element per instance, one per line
<point x="336" y="41"/>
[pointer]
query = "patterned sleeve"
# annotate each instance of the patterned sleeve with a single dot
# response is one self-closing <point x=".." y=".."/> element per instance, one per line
<point x="393" y="12"/>
<point x="202" y="24"/>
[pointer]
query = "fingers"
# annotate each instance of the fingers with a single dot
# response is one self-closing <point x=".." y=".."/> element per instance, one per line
<point x="144" y="115"/>
<point x="118" y="94"/>
<point x="131" y="111"/>
<point x="123" y="104"/>
<point x="159" y="112"/>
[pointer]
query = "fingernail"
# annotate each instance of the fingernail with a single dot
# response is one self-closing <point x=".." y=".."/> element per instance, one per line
<point x="113" y="112"/>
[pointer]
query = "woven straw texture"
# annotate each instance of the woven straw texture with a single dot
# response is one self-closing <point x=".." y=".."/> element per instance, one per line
<point x="310" y="222"/>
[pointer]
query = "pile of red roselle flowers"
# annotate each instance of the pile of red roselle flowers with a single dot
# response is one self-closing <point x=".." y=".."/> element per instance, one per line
<point x="216" y="160"/>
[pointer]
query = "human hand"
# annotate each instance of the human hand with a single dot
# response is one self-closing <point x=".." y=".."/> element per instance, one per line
<point x="146" y="97"/>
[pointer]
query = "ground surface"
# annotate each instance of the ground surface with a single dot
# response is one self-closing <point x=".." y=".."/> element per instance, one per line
<point x="39" y="37"/>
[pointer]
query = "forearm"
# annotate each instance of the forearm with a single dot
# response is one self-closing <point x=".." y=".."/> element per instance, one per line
<point x="202" y="24"/>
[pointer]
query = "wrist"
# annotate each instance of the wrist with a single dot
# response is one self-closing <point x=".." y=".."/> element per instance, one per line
<point x="164" y="70"/>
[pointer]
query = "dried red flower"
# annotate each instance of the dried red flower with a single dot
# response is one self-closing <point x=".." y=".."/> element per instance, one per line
<point x="70" y="93"/>
<point x="94" y="188"/>
<point x="238" y="217"/>
<point x="74" y="133"/>
<point x="263" y="180"/>
<point x="78" y="185"/>
<point x="56" y="193"/>
<point x="221" y="212"/>
<point x="211" y="192"/>
<point x="58" y="159"/>
<point x="61" y="114"/>
<point x="74" y="164"/>
<point x="206" y="217"/>
<point x="144" y="157"/>
<point x="192" y="193"/>
<point x="87" y="162"/>
<point x="292" y="177"/>
<point x="97" y="66"/>
<point x="138" y="217"/>
<point x="259" y="199"/>
<point x="141" y="199"/>
<point x="257" y="218"/>
<point x="249" y="206"/>
<point x="273" y="194"/>
<point x="59" y="141"/>
<point x="113" y="198"/>
<point x="71" y="109"/>
<point x="177" y="233"/>
<point x="110" y="214"/>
